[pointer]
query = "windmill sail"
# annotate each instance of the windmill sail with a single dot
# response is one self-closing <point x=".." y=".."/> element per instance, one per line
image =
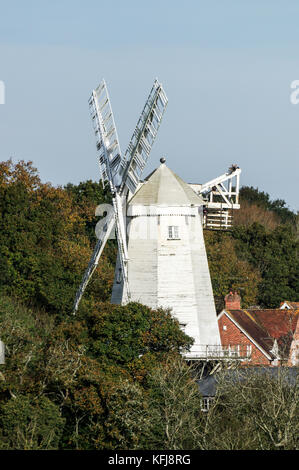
<point x="123" y="173"/>
<point x="108" y="148"/>
<point x="94" y="259"/>
<point x="110" y="160"/>
<point x="144" y="135"/>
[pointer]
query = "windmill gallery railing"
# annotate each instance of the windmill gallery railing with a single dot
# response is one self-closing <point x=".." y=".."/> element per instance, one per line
<point x="219" y="219"/>
<point x="218" y="352"/>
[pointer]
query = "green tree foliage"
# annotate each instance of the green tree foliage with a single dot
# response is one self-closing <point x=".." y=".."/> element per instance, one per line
<point x="30" y="424"/>
<point x="262" y="199"/>
<point x="253" y="411"/>
<point x="45" y="241"/>
<point x="75" y="384"/>
<point x="229" y="271"/>
<point x="111" y="377"/>
<point x="259" y="257"/>
<point x="123" y="334"/>
<point x="275" y="256"/>
<point x="86" y="196"/>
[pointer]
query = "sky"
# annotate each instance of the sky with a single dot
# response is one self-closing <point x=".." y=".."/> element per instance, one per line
<point x="226" y="67"/>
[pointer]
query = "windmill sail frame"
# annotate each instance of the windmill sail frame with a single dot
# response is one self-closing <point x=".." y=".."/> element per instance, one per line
<point x="124" y="176"/>
<point x="144" y="136"/>
<point x="123" y="173"/>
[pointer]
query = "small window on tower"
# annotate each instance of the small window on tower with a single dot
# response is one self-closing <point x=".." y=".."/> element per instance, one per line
<point x="173" y="232"/>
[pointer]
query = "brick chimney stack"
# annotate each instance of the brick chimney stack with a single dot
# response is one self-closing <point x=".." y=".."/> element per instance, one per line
<point x="232" y="301"/>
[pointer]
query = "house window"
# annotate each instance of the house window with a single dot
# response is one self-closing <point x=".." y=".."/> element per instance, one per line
<point x="173" y="232"/>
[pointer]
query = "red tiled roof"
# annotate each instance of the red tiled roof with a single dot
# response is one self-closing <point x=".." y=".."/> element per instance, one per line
<point x="264" y="326"/>
<point x="278" y="322"/>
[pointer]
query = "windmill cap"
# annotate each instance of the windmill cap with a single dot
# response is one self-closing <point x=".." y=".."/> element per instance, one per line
<point x="164" y="188"/>
<point x="163" y="160"/>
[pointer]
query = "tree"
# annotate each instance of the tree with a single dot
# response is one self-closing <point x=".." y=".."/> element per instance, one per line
<point x="252" y="213"/>
<point x="174" y="403"/>
<point x="45" y="242"/>
<point x="111" y="377"/>
<point x="89" y="372"/>
<point x="274" y="254"/>
<point x="126" y="334"/>
<point x="229" y="271"/>
<point x="27" y="423"/>
<point x="262" y="200"/>
<point x="253" y="410"/>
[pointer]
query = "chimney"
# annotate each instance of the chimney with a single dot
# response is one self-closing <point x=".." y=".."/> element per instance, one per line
<point x="232" y="301"/>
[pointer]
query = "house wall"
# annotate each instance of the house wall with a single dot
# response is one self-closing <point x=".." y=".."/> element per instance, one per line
<point x="294" y="349"/>
<point x="233" y="335"/>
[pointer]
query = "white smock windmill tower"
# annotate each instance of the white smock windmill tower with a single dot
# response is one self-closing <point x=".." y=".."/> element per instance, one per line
<point x="159" y="222"/>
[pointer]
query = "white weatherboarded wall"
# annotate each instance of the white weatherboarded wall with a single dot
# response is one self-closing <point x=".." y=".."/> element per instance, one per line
<point x="166" y="272"/>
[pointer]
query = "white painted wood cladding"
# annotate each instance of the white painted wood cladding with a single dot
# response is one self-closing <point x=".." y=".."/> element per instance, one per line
<point x="168" y="264"/>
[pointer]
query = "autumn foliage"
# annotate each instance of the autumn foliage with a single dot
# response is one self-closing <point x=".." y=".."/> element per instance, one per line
<point x="105" y="378"/>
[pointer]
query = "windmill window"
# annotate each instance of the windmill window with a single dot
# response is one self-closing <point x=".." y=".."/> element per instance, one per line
<point x="173" y="232"/>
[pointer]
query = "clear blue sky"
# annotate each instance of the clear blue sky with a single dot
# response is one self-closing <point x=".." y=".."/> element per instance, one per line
<point x="226" y="66"/>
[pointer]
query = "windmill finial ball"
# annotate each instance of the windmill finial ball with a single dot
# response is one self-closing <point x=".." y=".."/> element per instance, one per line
<point x="162" y="160"/>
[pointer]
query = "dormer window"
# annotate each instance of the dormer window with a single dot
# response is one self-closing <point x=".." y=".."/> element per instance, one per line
<point x="173" y="232"/>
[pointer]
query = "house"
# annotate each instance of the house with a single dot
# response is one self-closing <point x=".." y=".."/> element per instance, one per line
<point x="209" y="384"/>
<point x="289" y="305"/>
<point x="271" y="334"/>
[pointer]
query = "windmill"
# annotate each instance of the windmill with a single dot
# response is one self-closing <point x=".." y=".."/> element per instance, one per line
<point x="161" y="257"/>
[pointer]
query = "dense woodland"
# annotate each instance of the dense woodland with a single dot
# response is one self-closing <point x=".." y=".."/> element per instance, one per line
<point x="111" y="377"/>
